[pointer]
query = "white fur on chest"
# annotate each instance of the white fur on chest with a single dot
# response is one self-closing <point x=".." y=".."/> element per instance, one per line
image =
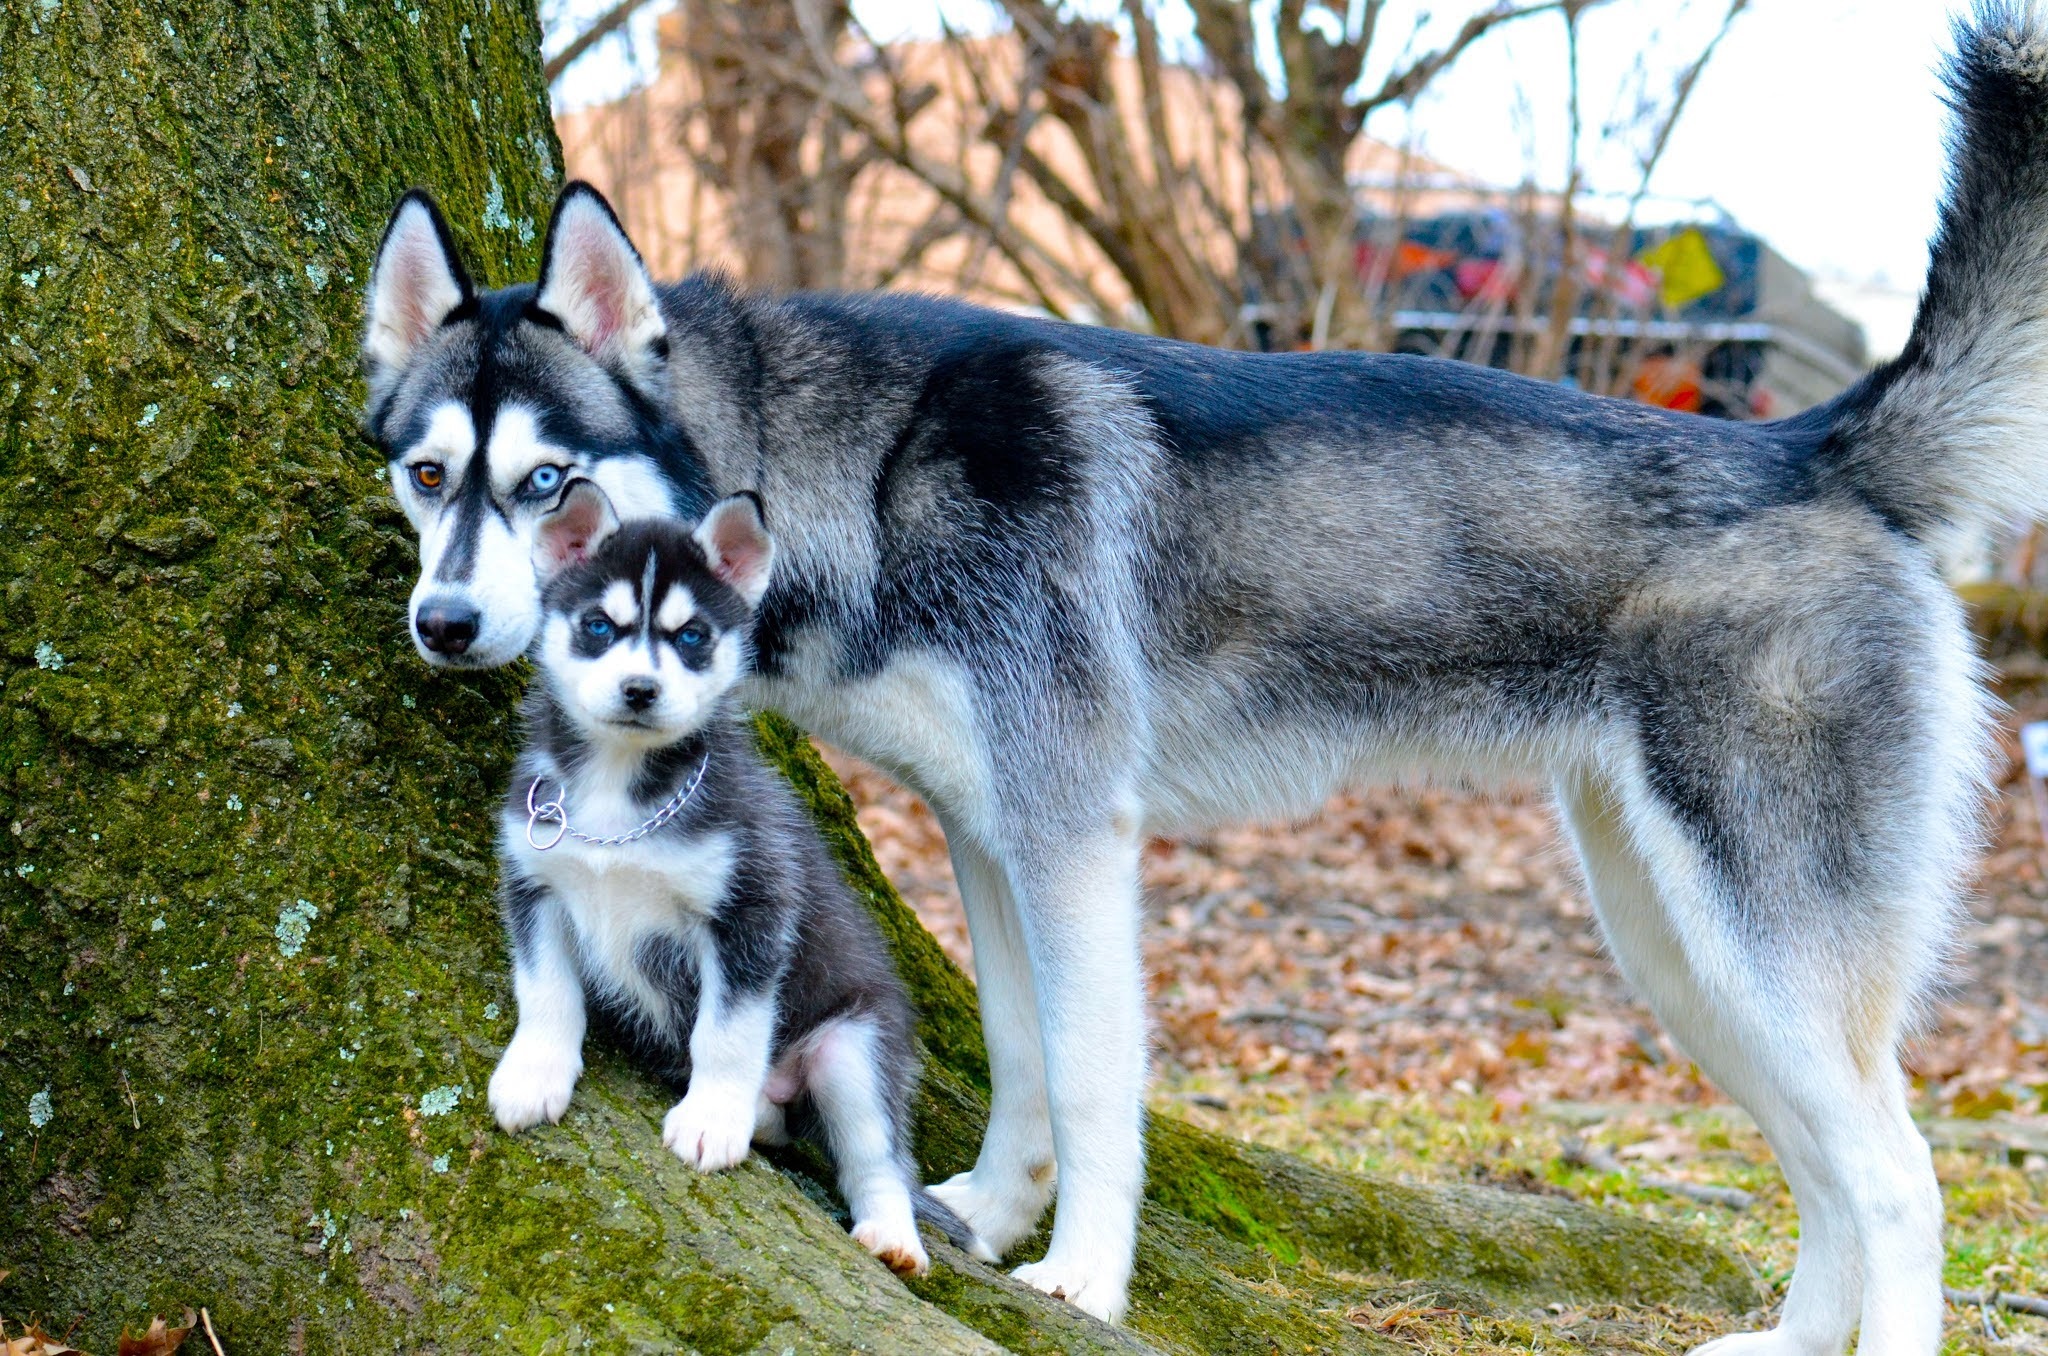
<point x="616" y="899"/>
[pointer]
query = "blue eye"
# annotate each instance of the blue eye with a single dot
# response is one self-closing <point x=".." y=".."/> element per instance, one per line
<point x="693" y="635"/>
<point x="598" y="626"/>
<point x="544" y="478"/>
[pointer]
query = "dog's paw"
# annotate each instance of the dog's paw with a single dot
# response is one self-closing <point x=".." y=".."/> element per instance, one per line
<point x="999" y="1216"/>
<point x="895" y="1243"/>
<point x="712" y="1127"/>
<point x="1093" y="1290"/>
<point x="533" y="1083"/>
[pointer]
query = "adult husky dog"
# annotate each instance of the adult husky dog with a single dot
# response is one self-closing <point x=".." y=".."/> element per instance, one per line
<point x="1076" y="586"/>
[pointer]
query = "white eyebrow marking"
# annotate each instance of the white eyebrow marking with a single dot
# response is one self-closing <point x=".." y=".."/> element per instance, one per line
<point x="676" y="608"/>
<point x="647" y="584"/>
<point x="450" y="439"/>
<point x="619" y="603"/>
<point x="517" y="447"/>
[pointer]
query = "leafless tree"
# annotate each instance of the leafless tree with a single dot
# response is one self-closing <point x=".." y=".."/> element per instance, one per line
<point x="1070" y="161"/>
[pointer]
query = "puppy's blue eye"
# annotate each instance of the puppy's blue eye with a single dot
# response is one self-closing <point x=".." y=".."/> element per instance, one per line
<point x="544" y="478"/>
<point x="598" y="626"/>
<point x="693" y="635"/>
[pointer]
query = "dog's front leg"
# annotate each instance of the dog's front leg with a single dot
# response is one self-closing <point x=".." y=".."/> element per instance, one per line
<point x="1080" y="912"/>
<point x="1012" y="1178"/>
<point x="537" y="1075"/>
<point x="730" y="1045"/>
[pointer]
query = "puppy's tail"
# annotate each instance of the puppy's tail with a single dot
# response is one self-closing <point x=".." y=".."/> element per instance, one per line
<point x="929" y="1209"/>
<point x="1954" y="431"/>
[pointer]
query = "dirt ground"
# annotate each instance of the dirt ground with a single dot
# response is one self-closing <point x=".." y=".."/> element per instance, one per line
<point x="1438" y="941"/>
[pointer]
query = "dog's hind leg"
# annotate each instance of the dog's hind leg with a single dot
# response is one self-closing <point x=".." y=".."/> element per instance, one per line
<point x="1821" y="1305"/>
<point x="1791" y="998"/>
<point x="1011" y="1182"/>
<point x="851" y="1092"/>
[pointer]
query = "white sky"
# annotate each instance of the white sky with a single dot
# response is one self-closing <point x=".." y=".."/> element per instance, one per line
<point x="1817" y="126"/>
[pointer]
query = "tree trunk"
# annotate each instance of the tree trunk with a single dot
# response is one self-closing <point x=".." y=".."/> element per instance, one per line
<point x="251" y="980"/>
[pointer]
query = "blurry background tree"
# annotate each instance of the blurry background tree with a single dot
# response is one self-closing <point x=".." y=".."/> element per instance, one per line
<point x="1202" y="169"/>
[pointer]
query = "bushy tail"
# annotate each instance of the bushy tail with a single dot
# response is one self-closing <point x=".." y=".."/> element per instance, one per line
<point x="1954" y="431"/>
<point x="929" y="1209"/>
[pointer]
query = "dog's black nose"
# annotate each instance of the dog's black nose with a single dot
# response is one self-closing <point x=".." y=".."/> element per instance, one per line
<point x="446" y="629"/>
<point x="639" y="693"/>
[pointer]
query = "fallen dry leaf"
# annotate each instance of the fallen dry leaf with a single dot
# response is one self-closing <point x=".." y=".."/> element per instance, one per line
<point x="37" y="1343"/>
<point x="160" y="1340"/>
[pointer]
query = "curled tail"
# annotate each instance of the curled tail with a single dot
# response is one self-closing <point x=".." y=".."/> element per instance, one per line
<point x="1954" y="431"/>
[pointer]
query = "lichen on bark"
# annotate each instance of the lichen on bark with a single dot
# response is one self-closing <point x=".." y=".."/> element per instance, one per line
<point x="251" y="983"/>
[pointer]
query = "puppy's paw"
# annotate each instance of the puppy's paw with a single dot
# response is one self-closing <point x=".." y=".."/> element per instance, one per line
<point x="533" y="1083"/>
<point x="1093" y="1290"/>
<point x="711" y="1128"/>
<point x="1000" y="1214"/>
<point x="895" y="1243"/>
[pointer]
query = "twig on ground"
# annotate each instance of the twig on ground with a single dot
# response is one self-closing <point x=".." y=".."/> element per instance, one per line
<point x="1579" y="1153"/>
<point x="1322" y="1020"/>
<point x="1996" y="1299"/>
<point x="207" y="1319"/>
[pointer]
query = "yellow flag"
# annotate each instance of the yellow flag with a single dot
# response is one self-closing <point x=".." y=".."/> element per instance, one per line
<point x="1685" y="268"/>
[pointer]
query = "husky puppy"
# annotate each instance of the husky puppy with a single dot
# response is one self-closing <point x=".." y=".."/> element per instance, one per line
<point x="655" y="869"/>
<point x="1075" y="586"/>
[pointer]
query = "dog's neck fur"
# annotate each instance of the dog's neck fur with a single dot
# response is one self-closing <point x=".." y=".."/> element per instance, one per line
<point x="746" y="375"/>
<point x="588" y="763"/>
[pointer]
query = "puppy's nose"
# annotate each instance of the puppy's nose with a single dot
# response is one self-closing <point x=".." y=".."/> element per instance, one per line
<point x="639" y="693"/>
<point x="446" y="628"/>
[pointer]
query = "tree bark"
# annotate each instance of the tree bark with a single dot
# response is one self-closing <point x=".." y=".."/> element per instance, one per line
<point x="251" y="979"/>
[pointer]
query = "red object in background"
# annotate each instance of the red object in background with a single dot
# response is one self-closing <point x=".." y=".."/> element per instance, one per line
<point x="1668" y="383"/>
<point x="1633" y="285"/>
<point x="1484" y="280"/>
<point x="1409" y="258"/>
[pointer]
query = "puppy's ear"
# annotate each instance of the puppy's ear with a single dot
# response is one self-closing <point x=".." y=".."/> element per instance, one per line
<point x="416" y="284"/>
<point x="573" y="529"/>
<point x="737" y="545"/>
<point x="592" y="280"/>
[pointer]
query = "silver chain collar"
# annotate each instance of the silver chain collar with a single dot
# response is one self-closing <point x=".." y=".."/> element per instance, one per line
<point x="554" y="812"/>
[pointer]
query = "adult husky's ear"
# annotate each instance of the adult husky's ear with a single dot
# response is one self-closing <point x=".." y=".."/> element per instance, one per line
<point x="416" y="284"/>
<point x="592" y="280"/>
<point x="574" y="528"/>
<point x="737" y="545"/>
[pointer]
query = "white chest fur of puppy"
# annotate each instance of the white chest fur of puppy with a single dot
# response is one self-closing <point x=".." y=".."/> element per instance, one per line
<point x="657" y="874"/>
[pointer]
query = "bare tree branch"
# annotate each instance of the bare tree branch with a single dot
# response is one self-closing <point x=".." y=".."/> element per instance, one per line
<point x="1412" y="79"/>
<point x="608" y="23"/>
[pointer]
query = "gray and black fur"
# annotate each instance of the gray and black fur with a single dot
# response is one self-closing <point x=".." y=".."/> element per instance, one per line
<point x="1074" y="586"/>
<point x="734" y="905"/>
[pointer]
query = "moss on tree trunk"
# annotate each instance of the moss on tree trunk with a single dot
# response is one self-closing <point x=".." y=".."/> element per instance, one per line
<point x="251" y="982"/>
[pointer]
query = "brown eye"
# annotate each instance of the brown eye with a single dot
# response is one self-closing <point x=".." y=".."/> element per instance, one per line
<point x="427" y="475"/>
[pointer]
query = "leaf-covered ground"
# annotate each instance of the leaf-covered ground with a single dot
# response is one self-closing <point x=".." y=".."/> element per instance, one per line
<point x="1411" y="984"/>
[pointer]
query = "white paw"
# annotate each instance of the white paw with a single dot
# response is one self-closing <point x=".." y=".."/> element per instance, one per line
<point x="895" y="1243"/>
<point x="1092" y="1290"/>
<point x="999" y="1216"/>
<point x="711" y="1128"/>
<point x="533" y="1083"/>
